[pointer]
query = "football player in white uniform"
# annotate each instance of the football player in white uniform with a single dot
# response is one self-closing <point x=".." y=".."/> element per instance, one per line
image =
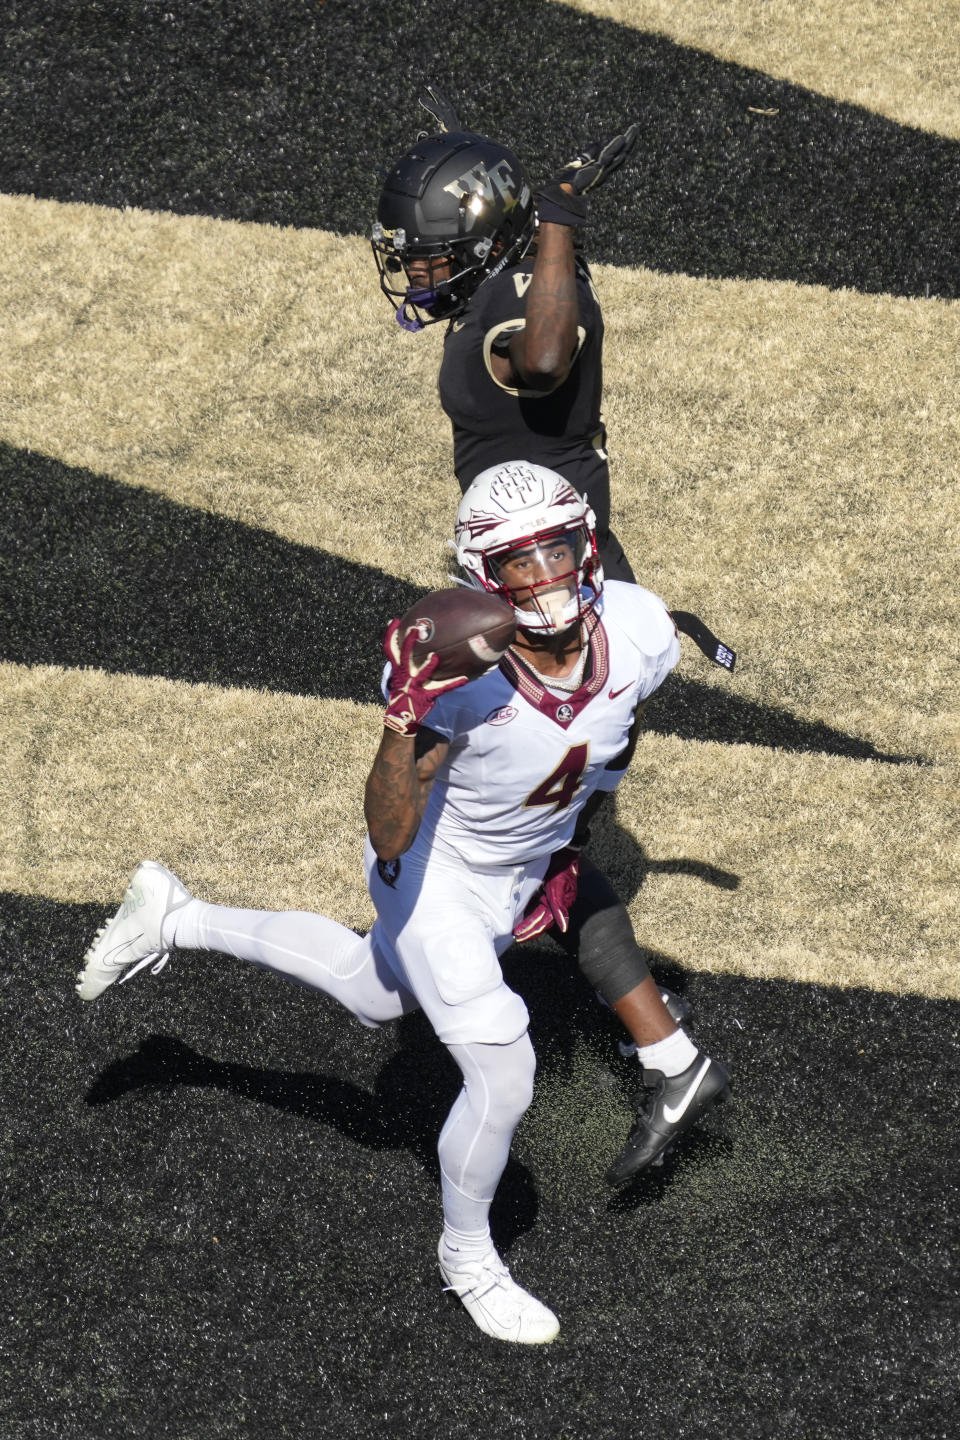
<point x="473" y="805"/>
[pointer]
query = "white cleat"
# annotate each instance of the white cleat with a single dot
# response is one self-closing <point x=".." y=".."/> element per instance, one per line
<point x="132" y="937"/>
<point x="497" y="1303"/>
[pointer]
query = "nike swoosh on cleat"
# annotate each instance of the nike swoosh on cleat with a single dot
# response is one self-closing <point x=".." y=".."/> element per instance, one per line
<point x="114" y="958"/>
<point x="612" y="694"/>
<point x="674" y="1113"/>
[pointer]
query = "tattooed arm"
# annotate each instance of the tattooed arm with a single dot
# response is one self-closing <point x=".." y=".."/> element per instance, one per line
<point x="398" y="785"/>
<point x="541" y="354"/>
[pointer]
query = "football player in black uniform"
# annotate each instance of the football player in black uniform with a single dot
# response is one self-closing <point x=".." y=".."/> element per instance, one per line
<point x="461" y="237"/>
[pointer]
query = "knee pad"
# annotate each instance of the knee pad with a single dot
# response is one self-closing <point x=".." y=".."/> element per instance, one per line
<point x="510" y="1084"/>
<point x="600" y="929"/>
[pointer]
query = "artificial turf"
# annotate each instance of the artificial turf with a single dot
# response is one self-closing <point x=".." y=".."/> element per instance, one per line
<point x="285" y="113"/>
<point x="220" y="1194"/>
<point x="222" y="1204"/>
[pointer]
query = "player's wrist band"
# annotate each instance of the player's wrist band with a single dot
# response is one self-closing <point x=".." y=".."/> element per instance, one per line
<point x="407" y="726"/>
<point x="555" y="206"/>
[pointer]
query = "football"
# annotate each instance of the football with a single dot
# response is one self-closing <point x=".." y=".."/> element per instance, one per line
<point x="468" y="629"/>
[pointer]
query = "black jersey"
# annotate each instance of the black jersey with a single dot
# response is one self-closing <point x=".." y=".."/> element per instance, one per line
<point x="492" y="423"/>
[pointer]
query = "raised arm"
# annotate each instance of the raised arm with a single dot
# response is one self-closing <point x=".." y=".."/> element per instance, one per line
<point x="542" y="353"/>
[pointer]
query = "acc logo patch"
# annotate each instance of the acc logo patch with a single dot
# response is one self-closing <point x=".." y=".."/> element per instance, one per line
<point x="502" y="715"/>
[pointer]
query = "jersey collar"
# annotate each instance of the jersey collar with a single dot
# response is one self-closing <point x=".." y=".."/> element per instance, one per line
<point x="563" y="709"/>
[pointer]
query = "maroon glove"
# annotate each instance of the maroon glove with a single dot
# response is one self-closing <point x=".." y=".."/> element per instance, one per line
<point x="411" y="692"/>
<point x="554" y="900"/>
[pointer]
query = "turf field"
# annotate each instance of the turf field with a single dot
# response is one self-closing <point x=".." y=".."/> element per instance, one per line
<point x="224" y="468"/>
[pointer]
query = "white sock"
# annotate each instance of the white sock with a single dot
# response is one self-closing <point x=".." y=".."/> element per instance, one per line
<point x="671" y="1056"/>
<point x="463" y="1245"/>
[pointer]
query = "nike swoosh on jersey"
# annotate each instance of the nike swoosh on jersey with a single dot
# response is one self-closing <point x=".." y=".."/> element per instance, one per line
<point x="673" y="1113"/>
<point x="612" y="694"/>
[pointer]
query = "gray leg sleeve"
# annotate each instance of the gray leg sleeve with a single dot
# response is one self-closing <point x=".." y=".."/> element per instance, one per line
<point x="601" y="936"/>
<point x="311" y="950"/>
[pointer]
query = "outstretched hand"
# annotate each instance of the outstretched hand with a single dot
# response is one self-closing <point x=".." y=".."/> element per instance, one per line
<point x="596" y="161"/>
<point x="563" y="199"/>
<point x="436" y="104"/>
<point x="411" y="690"/>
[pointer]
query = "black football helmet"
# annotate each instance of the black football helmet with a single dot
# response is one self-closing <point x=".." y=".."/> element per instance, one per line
<point x="455" y="195"/>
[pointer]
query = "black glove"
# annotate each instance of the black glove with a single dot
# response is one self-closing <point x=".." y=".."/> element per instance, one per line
<point x="583" y="173"/>
<point x="437" y="105"/>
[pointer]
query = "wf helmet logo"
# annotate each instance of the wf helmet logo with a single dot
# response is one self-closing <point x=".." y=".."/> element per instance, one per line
<point x="482" y="186"/>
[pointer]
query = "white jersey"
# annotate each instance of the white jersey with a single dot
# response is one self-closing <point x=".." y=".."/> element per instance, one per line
<point x="524" y="759"/>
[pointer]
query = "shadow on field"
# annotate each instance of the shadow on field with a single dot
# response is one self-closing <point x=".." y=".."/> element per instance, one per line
<point x="405" y="1111"/>
<point x="176" y="1220"/>
<point x="415" y="1086"/>
<point x="626" y="864"/>
<point x="283" y="115"/>
<point x="804" y="1057"/>
<point x="98" y="573"/>
<point x="694" y="710"/>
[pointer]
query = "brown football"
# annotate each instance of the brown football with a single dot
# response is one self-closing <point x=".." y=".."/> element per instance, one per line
<point x="468" y="629"/>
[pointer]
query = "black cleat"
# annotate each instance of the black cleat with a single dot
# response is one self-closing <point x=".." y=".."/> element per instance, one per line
<point x="671" y="1107"/>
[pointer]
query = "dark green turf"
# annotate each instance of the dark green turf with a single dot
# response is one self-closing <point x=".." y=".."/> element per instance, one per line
<point x="221" y="1206"/>
<point x="283" y="111"/>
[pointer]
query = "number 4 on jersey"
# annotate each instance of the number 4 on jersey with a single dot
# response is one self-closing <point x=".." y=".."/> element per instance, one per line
<point x="562" y="783"/>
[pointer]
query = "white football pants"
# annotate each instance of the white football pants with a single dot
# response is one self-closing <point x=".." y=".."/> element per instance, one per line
<point x="430" y="919"/>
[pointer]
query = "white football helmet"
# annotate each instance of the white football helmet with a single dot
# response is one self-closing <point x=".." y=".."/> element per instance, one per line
<point x="523" y="507"/>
